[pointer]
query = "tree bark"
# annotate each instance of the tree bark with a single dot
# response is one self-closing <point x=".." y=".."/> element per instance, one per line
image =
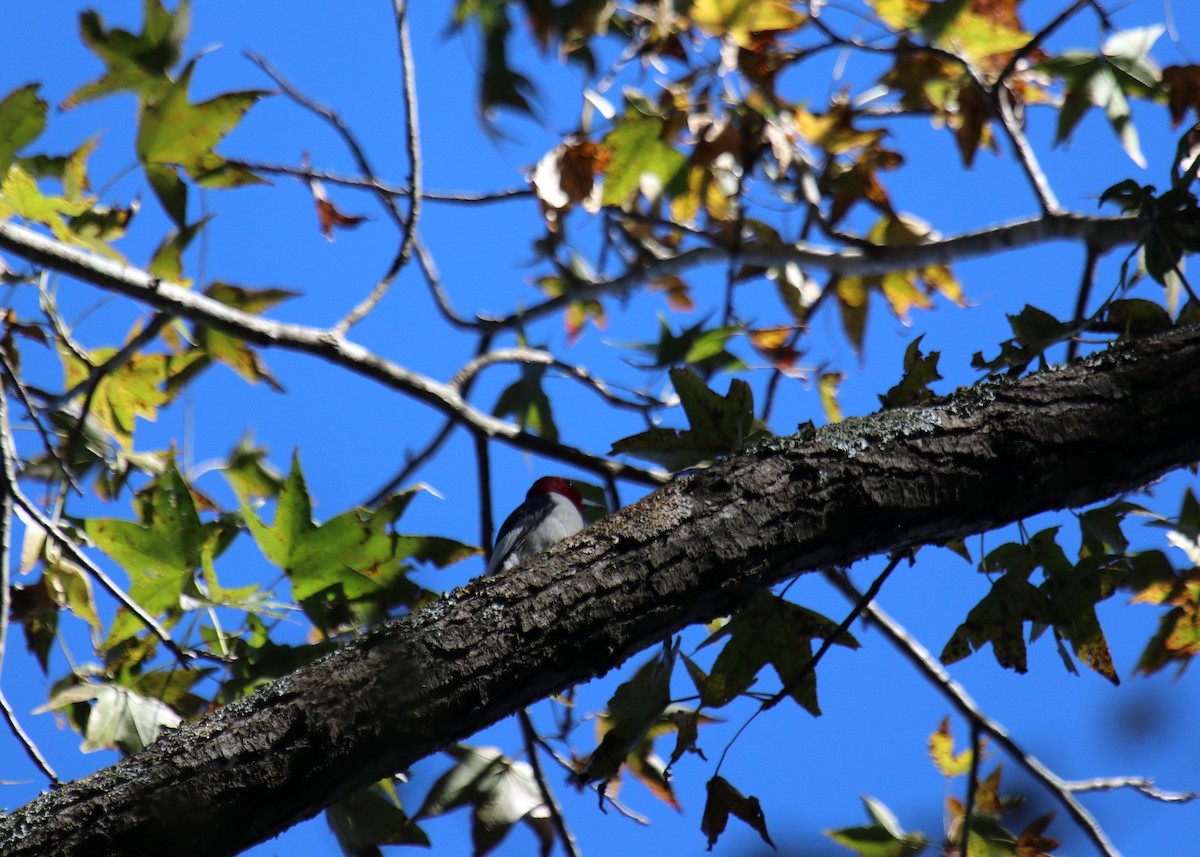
<point x="696" y="548"/>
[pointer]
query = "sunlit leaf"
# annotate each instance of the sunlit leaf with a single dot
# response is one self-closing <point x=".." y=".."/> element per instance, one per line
<point x="499" y="791"/>
<point x="175" y="132"/>
<point x="635" y="149"/>
<point x="22" y="120"/>
<point x="884" y="837"/>
<point x="135" y="63"/>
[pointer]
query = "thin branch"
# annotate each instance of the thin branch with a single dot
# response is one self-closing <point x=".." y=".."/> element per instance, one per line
<point x="532" y="356"/>
<point x="1087" y="279"/>
<point x="1038" y="39"/>
<point x="483" y="468"/>
<point x="566" y="765"/>
<point x="413" y="463"/>
<point x="388" y="201"/>
<point x="8" y="468"/>
<point x="972" y="786"/>
<point x="77" y="556"/>
<point x="811" y="664"/>
<point x="556" y="814"/>
<point x="1024" y="152"/>
<point x="35" y="418"/>
<point x="927" y="664"/>
<point x="378" y="186"/>
<point x="91" y="384"/>
<point x="1105" y="232"/>
<point x="92" y="381"/>
<point x="1145" y="785"/>
<point x="132" y="282"/>
<point x="330" y="116"/>
<point x="412" y="141"/>
<point x="441" y="300"/>
<point x="412" y="129"/>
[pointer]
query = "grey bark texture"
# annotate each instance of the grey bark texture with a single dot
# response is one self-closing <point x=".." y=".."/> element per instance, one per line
<point x="696" y="548"/>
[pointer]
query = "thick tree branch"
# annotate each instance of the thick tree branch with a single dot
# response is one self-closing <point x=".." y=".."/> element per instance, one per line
<point x="696" y="548"/>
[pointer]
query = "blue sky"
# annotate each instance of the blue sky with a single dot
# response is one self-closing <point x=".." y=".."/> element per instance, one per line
<point x="352" y="434"/>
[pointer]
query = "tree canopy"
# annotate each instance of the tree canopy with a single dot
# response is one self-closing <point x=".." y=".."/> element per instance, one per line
<point x="729" y="258"/>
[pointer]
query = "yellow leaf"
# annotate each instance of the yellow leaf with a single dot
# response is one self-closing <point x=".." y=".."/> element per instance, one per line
<point x="738" y="19"/>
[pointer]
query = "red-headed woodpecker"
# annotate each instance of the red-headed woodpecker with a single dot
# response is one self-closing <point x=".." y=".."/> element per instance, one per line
<point x="553" y="510"/>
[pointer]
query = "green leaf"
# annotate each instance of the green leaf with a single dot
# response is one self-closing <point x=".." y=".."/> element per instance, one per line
<point x="920" y="371"/>
<point x="160" y="554"/>
<point x="770" y="630"/>
<point x="136" y="63"/>
<point x="719" y="424"/>
<point x="22" y="120"/>
<point x="248" y="472"/>
<point x="1135" y="317"/>
<point x="353" y="557"/>
<point x="175" y="132"/>
<point x="724" y="800"/>
<point x="118" y="719"/>
<point x="32" y="607"/>
<point x="257" y="659"/>
<point x="373" y="816"/>
<point x="999" y="618"/>
<point x="499" y="86"/>
<point x="172" y="193"/>
<point x="693" y="346"/>
<point x="1123" y="68"/>
<point x="20" y="196"/>
<point x="232" y="351"/>
<point x="884" y="837"/>
<point x="527" y="403"/>
<point x="499" y="791"/>
<point x="129" y="390"/>
<point x="636" y="149"/>
<point x="635" y="709"/>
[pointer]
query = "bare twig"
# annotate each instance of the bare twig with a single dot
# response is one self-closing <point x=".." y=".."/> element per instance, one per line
<point x="920" y="657"/>
<point x="972" y="786"/>
<point x="1038" y="39"/>
<point x="441" y="300"/>
<point x="379" y="186"/>
<point x="8" y="470"/>
<point x="335" y="120"/>
<point x="1024" y="152"/>
<point x="483" y="468"/>
<point x="544" y="358"/>
<point x="1087" y="279"/>
<point x="1145" y="785"/>
<point x="127" y="280"/>
<point x="566" y="765"/>
<point x="1105" y="232"/>
<point x="811" y="664"/>
<point x="35" y="418"/>
<point x="413" y="463"/>
<point x="556" y="814"/>
<point x="408" y="225"/>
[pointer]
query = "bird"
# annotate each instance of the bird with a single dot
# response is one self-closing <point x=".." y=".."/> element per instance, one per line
<point x="553" y="510"/>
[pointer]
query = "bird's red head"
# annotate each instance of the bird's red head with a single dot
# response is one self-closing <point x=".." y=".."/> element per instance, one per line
<point x="557" y="485"/>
